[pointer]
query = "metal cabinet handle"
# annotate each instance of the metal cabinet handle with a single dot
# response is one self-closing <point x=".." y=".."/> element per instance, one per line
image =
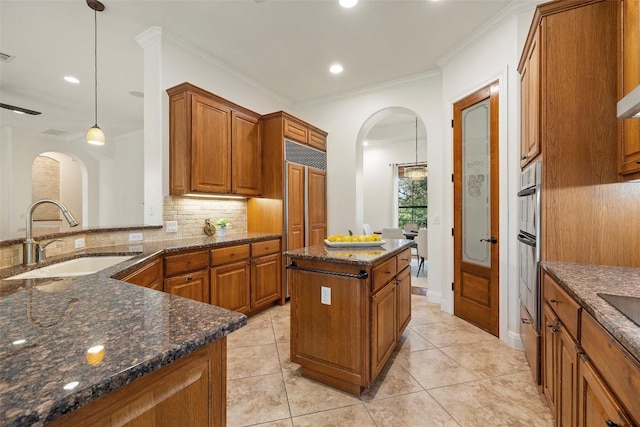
<point x="525" y="320"/>
<point x="189" y="279"/>
<point x="553" y="300"/>
<point x="525" y="157"/>
<point x="610" y="423"/>
<point x="553" y="328"/>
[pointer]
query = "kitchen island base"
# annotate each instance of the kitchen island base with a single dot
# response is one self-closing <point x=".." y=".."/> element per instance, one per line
<point x="348" y="314"/>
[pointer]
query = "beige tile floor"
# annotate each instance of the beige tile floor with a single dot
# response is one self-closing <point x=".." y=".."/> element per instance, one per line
<point x="444" y="372"/>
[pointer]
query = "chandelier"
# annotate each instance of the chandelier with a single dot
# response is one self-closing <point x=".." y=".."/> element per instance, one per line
<point x="416" y="173"/>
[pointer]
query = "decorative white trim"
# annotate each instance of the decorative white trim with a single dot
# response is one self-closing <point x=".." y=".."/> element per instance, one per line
<point x="514" y="340"/>
<point x="149" y="36"/>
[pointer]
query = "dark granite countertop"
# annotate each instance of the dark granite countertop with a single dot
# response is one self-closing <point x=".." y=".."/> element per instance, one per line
<point x="584" y="282"/>
<point x="49" y="324"/>
<point x="350" y="254"/>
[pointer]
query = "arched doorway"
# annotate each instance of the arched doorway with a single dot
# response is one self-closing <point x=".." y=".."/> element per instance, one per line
<point x="387" y="142"/>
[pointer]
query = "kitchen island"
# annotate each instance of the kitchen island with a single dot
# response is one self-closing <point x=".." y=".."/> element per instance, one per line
<point x="93" y="350"/>
<point x="349" y="306"/>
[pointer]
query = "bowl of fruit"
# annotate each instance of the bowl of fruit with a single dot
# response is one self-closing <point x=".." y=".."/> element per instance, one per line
<point x="353" y="240"/>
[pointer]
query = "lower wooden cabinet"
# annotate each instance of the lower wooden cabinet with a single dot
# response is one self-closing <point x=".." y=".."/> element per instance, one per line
<point x="194" y="285"/>
<point x="188" y="392"/>
<point x="230" y="286"/>
<point x="597" y="405"/>
<point x="403" y="301"/>
<point x="384" y="334"/>
<point x="266" y="280"/>
<point x="149" y="276"/>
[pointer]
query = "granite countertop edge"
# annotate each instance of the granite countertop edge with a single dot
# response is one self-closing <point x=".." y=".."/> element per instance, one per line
<point x="324" y="253"/>
<point x="583" y="282"/>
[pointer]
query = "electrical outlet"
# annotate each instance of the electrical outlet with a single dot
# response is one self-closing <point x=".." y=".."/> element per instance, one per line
<point x="135" y="248"/>
<point x="325" y="295"/>
<point x="171" y="226"/>
<point x="79" y="243"/>
<point x="135" y="237"/>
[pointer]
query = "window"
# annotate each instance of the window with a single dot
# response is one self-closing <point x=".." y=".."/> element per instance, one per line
<point x="412" y="199"/>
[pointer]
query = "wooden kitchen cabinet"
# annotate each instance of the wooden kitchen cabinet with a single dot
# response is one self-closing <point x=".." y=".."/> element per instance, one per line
<point x="247" y="278"/>
<point x="629" y="78"/>
<point x="299" y="131"/>
<point x="345" y="325"/>
<point x="190" y="391"/>
<point x="598" y="406"/>
<point x="186" y="275"/>
<point x="317" y="201"/>
<point x="214" y="144"/>
<point x="230" y="278"/>
<point x="149" y="275"/>
<point x="530" y="102"/>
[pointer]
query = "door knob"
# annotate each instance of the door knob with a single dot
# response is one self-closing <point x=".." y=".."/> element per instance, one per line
<point x="492" y="240"/>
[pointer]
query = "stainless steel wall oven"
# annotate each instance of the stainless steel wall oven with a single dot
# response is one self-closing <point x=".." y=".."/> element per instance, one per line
<point x="529" y="241"/>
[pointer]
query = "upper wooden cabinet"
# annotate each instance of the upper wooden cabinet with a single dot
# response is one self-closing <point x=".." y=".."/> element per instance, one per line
<point x="629" y="78"/>
<point x="300" y="131"/>
<point x="529" y="102"/>
<point x="215" y="145"/>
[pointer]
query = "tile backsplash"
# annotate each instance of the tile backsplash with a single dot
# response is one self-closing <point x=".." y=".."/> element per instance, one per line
<point x="189" y="213"/>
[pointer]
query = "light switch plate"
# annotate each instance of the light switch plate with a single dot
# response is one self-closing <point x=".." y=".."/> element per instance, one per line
<point x="171" y="226"/>
<point x="79" y="243"/>
<point x="325" y="295"/>
<point x="135" y="237"/>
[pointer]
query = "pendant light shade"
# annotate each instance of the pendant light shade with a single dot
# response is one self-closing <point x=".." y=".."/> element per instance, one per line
<point x="95" y="136"/>
<point x="416" y="173"/>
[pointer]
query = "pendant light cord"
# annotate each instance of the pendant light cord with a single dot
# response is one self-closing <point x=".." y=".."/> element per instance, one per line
<point x="95" y="56"/>
<point x="416" y="141"/>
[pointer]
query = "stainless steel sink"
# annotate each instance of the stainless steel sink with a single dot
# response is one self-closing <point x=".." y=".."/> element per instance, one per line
<point x="629" y="306"/>
<point x="73" y="267"/>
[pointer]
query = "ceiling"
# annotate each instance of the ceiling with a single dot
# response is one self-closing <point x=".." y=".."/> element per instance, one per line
<point x="285" y="46"/>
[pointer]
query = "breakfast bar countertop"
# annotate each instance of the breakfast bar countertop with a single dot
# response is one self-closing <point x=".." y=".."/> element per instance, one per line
<point x="367" y="255"/>
<point x="69" y="341"/>
<point x="584" y="282"/>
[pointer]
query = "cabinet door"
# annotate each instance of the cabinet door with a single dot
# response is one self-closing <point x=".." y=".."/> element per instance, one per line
<point x="317" y="140"/>
<point x="530" y="104"/>
<point x="246" y="155"/>
<point x="383" y="327"/>
<point x="567" y="381"/>
<point x="548" y="338"/>
<point x="266" y="280"/>
<point x="596" y="404"/>
<point x="630" y="143"/>
<point x="149" y="276"/>
<point x="295" y="206"/>
<point x="210" y="146"/>
<point x="230" y="286"/>
<point x="194" y="285"/>
<point x="295" y="131"/>
<point x="403" y="300"/>
<point x="317" y="209"/>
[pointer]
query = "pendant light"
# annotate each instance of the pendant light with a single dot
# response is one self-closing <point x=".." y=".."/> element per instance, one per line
<point x="95" y="135"/>
<point x="416" y="173"/>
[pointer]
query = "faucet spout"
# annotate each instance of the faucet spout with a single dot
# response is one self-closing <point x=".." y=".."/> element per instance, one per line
<point x="29" y="245"/>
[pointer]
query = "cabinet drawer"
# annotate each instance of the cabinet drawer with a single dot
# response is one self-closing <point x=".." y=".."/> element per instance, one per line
<point x="567" y="310"/>
<point x="295" y="131"/>
<point x="181" y="263"/>
<point x="619" y="369"/>
<point x="149" y="276"/>
<point x="404" y="260"/>
<point x="229" y="254"/>
<point x="265" y="248"/>
<point x="383" y="273"/>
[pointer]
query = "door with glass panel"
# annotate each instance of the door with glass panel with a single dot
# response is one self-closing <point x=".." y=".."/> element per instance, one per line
<point x="476" y="239"/>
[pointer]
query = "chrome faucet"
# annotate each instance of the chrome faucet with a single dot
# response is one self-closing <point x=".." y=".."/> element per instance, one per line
<point x="29" y="245"/>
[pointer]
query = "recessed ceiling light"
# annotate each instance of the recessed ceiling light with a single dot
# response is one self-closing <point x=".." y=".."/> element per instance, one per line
<point x="348" y="3"/>
<point x="336" y="69"/>
<point x="365" y="143"/>
<point x="71" y="79"/>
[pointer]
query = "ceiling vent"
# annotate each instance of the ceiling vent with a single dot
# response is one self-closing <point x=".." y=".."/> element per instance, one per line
<point x="55" y="132"/>
<point x="4" y="57"/>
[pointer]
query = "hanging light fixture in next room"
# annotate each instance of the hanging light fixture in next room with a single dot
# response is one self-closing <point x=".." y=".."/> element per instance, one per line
<point x="416" y="172"/>
<point x="95" y="135"/>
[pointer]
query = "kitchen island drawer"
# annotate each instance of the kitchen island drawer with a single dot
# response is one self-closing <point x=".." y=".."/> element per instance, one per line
<point x="404" y="260"/>
<point x="383" y="273"/>
<point x="182" y="263"/>
<point x="229" y="254"/>
<point x="565" y="307"/>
